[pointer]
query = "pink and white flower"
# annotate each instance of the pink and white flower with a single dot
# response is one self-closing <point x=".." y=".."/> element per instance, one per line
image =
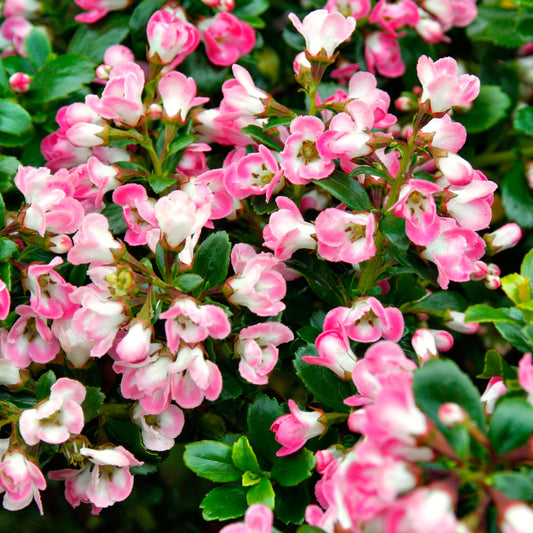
<point x="295" y="429"/>
<point x="98" y="9"/>
<point x="257" y="519"/>
<point x="57" y="418"/>
<point x="382" y="54"/>
<point x="159" y="431"/>
<point x="257" y="348"/>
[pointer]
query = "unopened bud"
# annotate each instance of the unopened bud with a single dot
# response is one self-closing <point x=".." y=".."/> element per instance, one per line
<point x="456" y="322"/>
<point x="503" y="238"/>
<point x="60" y="244"/>
<point x="450" y="414"/>
<point x="19" y="82"/>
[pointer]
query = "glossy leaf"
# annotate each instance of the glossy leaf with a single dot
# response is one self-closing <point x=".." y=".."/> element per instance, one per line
<point x="511" y="425"/>
<point x="211" y="460"/>
<point x="224" y="503"/>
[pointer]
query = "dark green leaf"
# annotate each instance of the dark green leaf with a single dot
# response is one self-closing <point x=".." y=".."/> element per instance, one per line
<point x="261" y="415"/>
<point x="496" y="366"/>
<point x="524" y="120"/>
<point x="15" y="124"/>
<point x="225" y="502"/>
<point x="4" y="81"/>
<point x="513" y="334"/>
<point x="249" y="8"/>
<point x="113" y="213"/>
<point x="293" y="39"/>
<point x="414" y="264"/>
<point x="142" y="13"/>
<point x="293" y="469"/>
<point x="291" y="503"/>
<point x="92" y="40"/>
<point x="524" y="21"/>
<point x="211" y="460"/>
<point x="144" y="469"/>
<point x="261" y="492"/>
<point x="2" y="213"/>
<point x="371" y="171"/>
<point x="489" y="108"/>
<point x="8" y="169"/>
<point x="309" y="529"/>
<point x="255" y="132"/>
<point x="92" y="403"/>
<point x="320" y="278"/>
<point x="496" y="25"/>
<point x="485" y="313"/>
<point x="261" y="207"/>
<point x="128" y="435"/>
<point x="20" y="400"/>
<point x="517" y="198"/>
<point x="346" y="189"/>
<point x="42" y="389"/>
<point x="394" y="230"/>
<point x="511" y="425"/>
<point x="324" y="384"/>
<point x="515" y="485"/>
<point x="130" y="165"/>
<point x="160" y="183"/>
<point x="38" y="47"/>
<point x="7" y="247"/>
<point x="211" y="260"/>
<point x="180" y="144"/>
<point x="244" y="457"/>
<point x="439" y="382"/>
<point x="207" y="77"/>
<point x="278" y="121"/>
<point x="441" y="301"/>
<point x="64" y="75"/>
<point x="188" y="282"/>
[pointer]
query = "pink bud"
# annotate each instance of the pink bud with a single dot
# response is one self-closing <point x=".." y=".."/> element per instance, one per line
<point x="503" y="238"/>
<point x="451" y="414"/>
<point x="19" y="82"/>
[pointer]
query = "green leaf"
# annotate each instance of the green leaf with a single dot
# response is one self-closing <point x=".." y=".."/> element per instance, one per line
<point x="142" y="13"/>
<point x="224" y="503"/>
<point x="441" y="301"/>
<point x="128" y="435"/>
<point x="211" y="260"/>
<point x="513" y="334"/>
<point x="291" y="503"/>
<point x="489" y="108"/>
<point x="160" y="183"/>
<point x="188" y="282"/>
<point x="244" y="457"/>
<point x="64" y="75"/>
<point x="207" y="77"/>
<point x="38" y="47"/>
<point x="346" y="189"/>
<point x="485" y="313"/>
<point x="394" y="229"/>
<point x="256" y="133"/>
<point x="20" y="400"/>
<point x="92" y="40"/>
<point x="2" y="213"/>
<point x="496" y="366"/>
<point x="413" y="263"/>
<point x="517" y="198"/>
<point x="320" y="278"/>
<point x="526" y="268"/>
<point x="248" y="8"/>
<point x="261" y="415"/>
<point x="515" y="485"/>
<point x="8" y="168"/>
<point x="440" y="381"/>
<point x="324" y="384"/>
<point x="496" y="25"/>
<point x="309" y="529"/>
<point x="42" y="389"/>
<point x="92" y="403"/>
<point x="114" y="214"/>
<point x="211" y="460"/>
<point x="7" y="247"/>
<point x="261" y="492"/>
<point x="524" y="120"/>
<point x="180" y="144"/>
<point x="511" y="425"/>
<point x="371" y="171"/>
<point x="16" y="128"/>
<point x="293" y="39"/>
<point x="293" y="469"/>
<point x="524" y="21"/>
<point x="4" y="81"/>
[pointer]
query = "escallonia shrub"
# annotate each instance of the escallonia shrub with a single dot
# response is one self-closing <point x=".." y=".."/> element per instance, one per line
<point x="262" y="269"/>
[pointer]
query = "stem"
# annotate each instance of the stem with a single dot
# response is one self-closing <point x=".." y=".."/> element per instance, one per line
<point x="148" y="145"/>
<point x="312" y="98"/>
<point x="370" y="269"/>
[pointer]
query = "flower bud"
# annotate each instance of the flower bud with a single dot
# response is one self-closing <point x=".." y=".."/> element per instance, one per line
<point x="503" y="238"/>
<point x="450" y="414"/>
<point x="19" y="82"/>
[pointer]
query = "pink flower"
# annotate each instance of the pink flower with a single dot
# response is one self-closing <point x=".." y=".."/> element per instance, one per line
<point x="392" y="17"/>
<point x="121" y="99"/>
<point x="300" y="159"/>
<point x="382" y="53"/>
<point x="323" y="32"/>
<point x="257" y="348"/>
<point x="98" y="9"/>
<point x="367" y="320"/>
<point x="192" y="323"/>
<point x="104" y="479"/>
<point x="344" y="236"/>
<point x="257" y="519"/>
<point x="170" y="37"/>
<point x="93" y="242"/>
<point x="525" y="375"/>
<point x="179" y="95"/>
<point x="57" y="418"/>
<point x="21" y="480"/>
<point x="254" y="174"/>
<point x="505" y="237"/>
<point x="517" y="517"/>
<point x="443" y="134"/>
<point x="455" y="320"/>
<point x="5" y="300"/>
<point x="159" y="431"/>
<point x="135" y="346"/>
<point x="287" y="231"/>
<point x="28" y="9"/>
<point x="226" y="38"/>
<point x="358" y="9"/>
<point x="256" y="284"/>
<point x="442" y="85"/>
<point x="428" y="342"/>
<point x="19" y="82"/>
<point x="295" y="429"/>
<point x="193" y="378"/>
